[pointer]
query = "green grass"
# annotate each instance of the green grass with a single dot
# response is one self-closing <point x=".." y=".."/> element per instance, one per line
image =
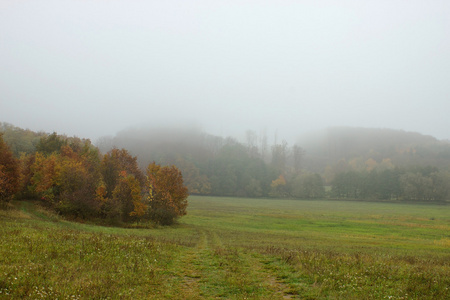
<point x="233" y="248"/>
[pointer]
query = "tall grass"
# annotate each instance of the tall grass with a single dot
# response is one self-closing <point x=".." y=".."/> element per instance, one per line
<point x="233" y="248"/>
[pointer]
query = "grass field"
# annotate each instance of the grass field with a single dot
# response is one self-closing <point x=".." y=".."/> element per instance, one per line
<point x="233" y="248"/>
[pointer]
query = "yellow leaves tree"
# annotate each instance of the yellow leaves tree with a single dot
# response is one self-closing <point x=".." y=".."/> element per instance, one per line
<point x="167" y="194"/>
<point x="370" y="164"/>
<point x="44" y="176"/>
<point x="100" y="192"/>
<point x="278" y="187"/>
<point x="127" y="200"/>
<point x="66" y="181"/>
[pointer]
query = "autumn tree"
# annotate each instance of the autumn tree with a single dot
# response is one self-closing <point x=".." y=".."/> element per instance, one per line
<point x="43" y="180"/>
<point x="167" y="195"/>
<point x="26" y="162"/>
<point x="67" y="181"/>
<point x="76" y="182"/>
<point x="9" y="173"/>
<point x="113" y="163"/>
<point x="278" y="187"/>
<point x="127" y="202"/>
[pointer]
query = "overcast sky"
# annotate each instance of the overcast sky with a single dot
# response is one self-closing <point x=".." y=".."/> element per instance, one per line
<point x="93" y="68"/>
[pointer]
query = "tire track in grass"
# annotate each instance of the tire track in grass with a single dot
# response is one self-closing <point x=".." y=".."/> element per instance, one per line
<point x="256" y="267"/>
<point x="187" y="271"/>
<point x="280" y="289"/>
<point x="211" y="269"/>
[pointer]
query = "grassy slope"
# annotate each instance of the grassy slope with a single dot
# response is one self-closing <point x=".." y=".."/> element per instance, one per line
<point x="234" y="248"/>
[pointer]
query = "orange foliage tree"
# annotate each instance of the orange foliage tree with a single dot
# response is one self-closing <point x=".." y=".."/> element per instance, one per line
<point x="67" y="179"/>
<point x="9" y="173"/>
<point x="167" y="195"/>
<point x="116" y="161"/>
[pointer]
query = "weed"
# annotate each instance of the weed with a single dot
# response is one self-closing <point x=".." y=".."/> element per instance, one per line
<point x="233" y="249"/>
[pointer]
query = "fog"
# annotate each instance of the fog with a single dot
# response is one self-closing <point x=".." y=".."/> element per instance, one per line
<point x="93" y="68"/>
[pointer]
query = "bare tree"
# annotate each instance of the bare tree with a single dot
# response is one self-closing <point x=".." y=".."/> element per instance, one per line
<point x="297" y="156"/>
<point x="252" y="139"/>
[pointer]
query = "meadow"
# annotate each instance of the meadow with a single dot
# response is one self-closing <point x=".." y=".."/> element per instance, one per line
<point x="233" y="248"/>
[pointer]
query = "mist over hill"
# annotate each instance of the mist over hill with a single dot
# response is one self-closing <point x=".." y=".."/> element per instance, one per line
<point x="163" y="144"/>
<point x="358" y="163"/>
<point x="402" y="148"/>
<point x="320" y="149"/>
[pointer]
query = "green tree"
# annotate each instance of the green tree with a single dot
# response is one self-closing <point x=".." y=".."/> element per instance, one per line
<point x="195" y="182"/>
<point x="279" y="157"/>
<point x="416" y="187"/>
<point x="49" y="144"/>
<point x="348" y="185"/>
<point x="233" y="172"/>
<point x="388" y="184"/>
<point x="19" y="140"/>
<point x="441" y="185"/>
<point x="308" y="186"/>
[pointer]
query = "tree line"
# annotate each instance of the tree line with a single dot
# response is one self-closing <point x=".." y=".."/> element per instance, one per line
<point x="212" y="165"/>
<point x="70" y="176"/>
<point x="405" y="184"/>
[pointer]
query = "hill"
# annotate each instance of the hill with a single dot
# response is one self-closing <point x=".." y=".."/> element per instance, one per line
<point x="213" y="165"/>
<point x="400" y="148"/>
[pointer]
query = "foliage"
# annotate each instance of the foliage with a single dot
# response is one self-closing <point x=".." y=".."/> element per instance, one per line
<point x="167" y="194"/>
<point x="9" y="173"/>
<point x="51" y="143"/>
<point x="113" y="163"/>
<point x="307" y="186"/>
<point x="127" y="198"/>
<point x="196" y="182"/>
<point x="26" y="162"/>
<point x="415" y="184"/>
<point x="278" y="187"/>
<point x="65" y="180"/>
<point x="71" y="176"/>
<point x="20" y="140"/>
<point x="233" y="172"/>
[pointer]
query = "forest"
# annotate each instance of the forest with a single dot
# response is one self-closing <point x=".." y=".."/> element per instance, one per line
<point x="147" y="174"/>
<point x="71" y="176"/>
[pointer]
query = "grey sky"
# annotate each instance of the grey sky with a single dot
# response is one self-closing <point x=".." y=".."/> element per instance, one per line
<point x="92" y="68"/>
